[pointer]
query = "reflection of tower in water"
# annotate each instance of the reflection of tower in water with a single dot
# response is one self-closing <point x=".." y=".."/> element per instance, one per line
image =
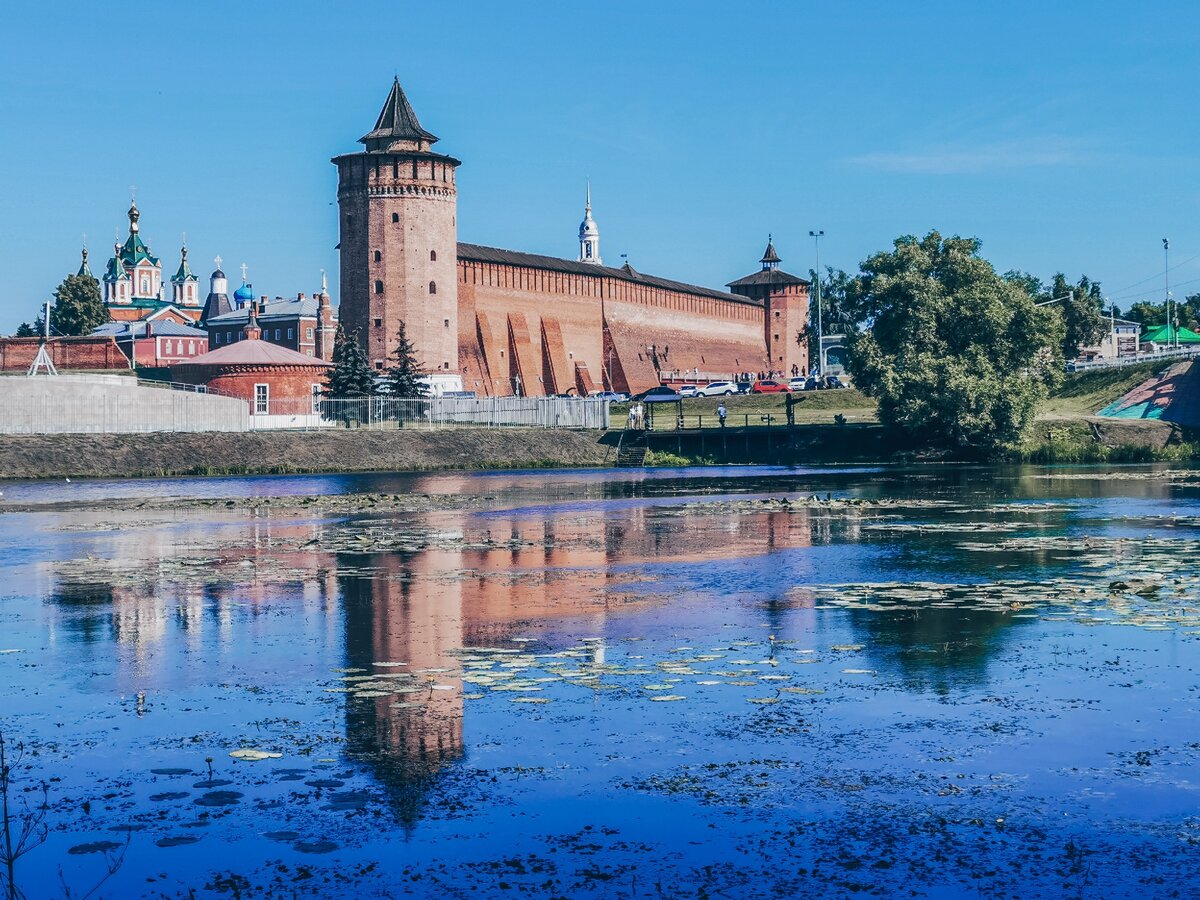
<point x="395" y="613"/>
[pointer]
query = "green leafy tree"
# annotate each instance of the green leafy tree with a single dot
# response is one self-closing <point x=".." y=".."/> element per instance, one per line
<point x="957" y="355"/>
<point x="403" y="378"/>
<point x="838" y="314"/>
<point x="1082" y="313"/>
<point x="1154" y="315"/>
<point x="77" y="308"/>
<point x="351" y="376"/>
<point x="25" y="330"/>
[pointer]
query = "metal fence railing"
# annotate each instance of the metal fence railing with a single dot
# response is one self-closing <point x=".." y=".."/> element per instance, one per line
<point x="446" y="412"/>
<point x="1187" y="351"/>
<point x="112" y="404"/>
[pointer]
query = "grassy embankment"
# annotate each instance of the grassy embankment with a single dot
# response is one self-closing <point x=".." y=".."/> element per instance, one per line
<point x="1064" y="430"/>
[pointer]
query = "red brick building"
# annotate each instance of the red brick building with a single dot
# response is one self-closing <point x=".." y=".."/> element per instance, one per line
<point x="512" y="322"/>
<point x="274" y="380"/>
<point x="156" y="341"/>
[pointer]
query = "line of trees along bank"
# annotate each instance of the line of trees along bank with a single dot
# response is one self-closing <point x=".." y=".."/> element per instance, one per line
<point x="957" y="355"/>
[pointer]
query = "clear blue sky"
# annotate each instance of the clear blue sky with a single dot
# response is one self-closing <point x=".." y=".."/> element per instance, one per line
<point x="1064" y="135"/>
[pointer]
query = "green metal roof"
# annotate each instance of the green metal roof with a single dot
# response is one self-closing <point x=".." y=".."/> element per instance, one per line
<point x="1166" y="334"/>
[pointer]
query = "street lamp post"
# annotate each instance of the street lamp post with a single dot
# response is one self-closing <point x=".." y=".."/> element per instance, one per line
<point x="816" y="236"/>
<point x="1172" y="321"/>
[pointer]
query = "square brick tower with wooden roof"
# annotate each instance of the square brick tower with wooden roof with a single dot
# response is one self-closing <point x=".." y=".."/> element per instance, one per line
<point x="785" y="312"/>
<point x="397" y="208"/>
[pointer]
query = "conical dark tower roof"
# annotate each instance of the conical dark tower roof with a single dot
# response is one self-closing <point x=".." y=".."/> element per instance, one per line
<point x="396" y="122"/>
<point x="770" y="257"/>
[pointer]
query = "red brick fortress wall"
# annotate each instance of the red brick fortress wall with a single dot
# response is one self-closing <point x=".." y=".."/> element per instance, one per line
<point x="540" y="326"/>
<point x="87" y="352"/>
<point x="554" y="332"/>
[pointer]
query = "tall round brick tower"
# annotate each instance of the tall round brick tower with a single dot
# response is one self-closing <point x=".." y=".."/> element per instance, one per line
<point x="399" y="246"/>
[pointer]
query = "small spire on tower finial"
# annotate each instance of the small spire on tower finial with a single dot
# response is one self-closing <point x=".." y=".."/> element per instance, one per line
<point x="244" y="267"/>
<point x="217" y="260"/>
<point x="324" y="283"/>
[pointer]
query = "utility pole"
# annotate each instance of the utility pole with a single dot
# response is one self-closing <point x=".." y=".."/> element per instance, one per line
<point x="816" y="236"/>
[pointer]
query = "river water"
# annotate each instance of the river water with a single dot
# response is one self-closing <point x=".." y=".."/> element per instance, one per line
<point x="736" y="682"/>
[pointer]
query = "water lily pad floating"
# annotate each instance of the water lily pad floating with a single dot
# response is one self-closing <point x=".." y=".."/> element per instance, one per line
<point x="314" y="846"/>
<point x="472" y="696"/>
<point x="285" y="837"/>
<point x="347" y="801"/>
<point x="179" y="840"/>
<point x="325" y="783"/>
<point x="171" y="771"/>
<point x="762" y="701"/>
<point x="169" y="795"/>
<point x="803" y="690"/>
<point x="94" y="847"/>
<point x="528" y="699"/>
<point x="249" y="754"/>
<point x="668" y="698"/>
<point x="208" y="783"/>
<point x="858" y="671"/>
<point x="219" y="798"/>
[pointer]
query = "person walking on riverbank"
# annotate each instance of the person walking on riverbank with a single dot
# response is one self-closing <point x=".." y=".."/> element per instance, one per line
<point x="721" y="413"/>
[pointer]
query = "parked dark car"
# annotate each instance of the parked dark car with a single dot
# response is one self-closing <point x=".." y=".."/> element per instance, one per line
<point x="769" y="386"/>
<point x="660" y="394"/>
<point x="743" y="387"/>
<point x="832" y="381"/>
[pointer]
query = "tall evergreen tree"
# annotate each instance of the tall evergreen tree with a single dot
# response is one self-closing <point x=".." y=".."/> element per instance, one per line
<point x="351" y="375"/>
<point x="25" y="330"/>
<point x="77" y="308"/>
<point x="404" y="375"/>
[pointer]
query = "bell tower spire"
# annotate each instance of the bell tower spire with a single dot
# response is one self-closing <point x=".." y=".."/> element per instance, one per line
<point x="589" y="234"/>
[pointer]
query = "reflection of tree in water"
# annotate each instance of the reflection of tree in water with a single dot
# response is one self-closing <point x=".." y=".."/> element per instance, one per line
<point x="89" y="606"/>
<point x="391" y="617"/>
<point x="938" y="648"/>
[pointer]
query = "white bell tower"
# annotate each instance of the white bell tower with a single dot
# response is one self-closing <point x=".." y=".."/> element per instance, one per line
<point x="589" y="234"/>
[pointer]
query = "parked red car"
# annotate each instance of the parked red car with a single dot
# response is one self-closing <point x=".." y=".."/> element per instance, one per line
<point x="769" y="386"/>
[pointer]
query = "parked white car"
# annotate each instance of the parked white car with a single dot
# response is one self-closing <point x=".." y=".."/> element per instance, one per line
<point x="688" y="390"/>
<point x="717" y="389"/>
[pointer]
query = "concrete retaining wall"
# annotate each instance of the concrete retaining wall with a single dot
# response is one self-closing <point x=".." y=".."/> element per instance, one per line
<point x="115" y="404"/>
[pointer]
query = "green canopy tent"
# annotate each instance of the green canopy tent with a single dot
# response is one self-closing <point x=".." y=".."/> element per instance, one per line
<point x="1166" y="334"/>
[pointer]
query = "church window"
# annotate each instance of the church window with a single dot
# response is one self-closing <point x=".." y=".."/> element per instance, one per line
<point x="145" y="285"/>
<point x="446" y="322"/>
<point x="276" y="334"/>
<point x="395" y="218"/>
<point x="379" y="287"/>
<point x="379" y="364"/>
<point x="308" y="334"/>
<point x="588" y="251"/>
<point x="379" y="257"/>
<point x="262" y="399"/>
<point x="433" y="287"/>
<point x="378" y="322"/>
<point x="291" y="333"/>
<point x="217" y="338"/>
<point x="433" y="256"/>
